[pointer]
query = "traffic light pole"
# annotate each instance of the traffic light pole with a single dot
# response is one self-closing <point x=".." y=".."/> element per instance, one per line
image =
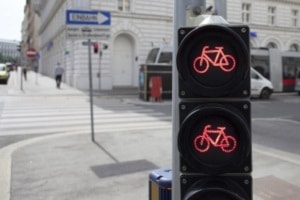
<point x="99" y="74"/>
<point x="179" y="21"/>
<point x="180" y="13"/>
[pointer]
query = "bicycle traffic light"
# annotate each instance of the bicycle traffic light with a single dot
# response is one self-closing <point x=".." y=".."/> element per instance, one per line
<point x="214" y="136"/>
<point x="213" y="61"/>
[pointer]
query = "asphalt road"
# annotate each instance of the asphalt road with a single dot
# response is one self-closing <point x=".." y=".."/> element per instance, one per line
<point x="275" y="122"/>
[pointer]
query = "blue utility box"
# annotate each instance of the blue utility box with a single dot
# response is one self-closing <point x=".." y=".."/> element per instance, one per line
<point x="160" y="184"/>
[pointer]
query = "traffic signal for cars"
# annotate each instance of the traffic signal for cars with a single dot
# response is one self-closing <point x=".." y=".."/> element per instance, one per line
<point x="214" y="136"/>
<point x="96" y="47"/>
<point x="19" y="47"/>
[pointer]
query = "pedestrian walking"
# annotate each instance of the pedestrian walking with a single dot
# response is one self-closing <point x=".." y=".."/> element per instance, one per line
<point x="24" y="70"/>
<point x="58" y="74"/>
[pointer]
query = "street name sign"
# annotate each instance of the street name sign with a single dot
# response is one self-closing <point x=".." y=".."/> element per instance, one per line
<point x="82" y="17"/>
<point x="77" y="32"/>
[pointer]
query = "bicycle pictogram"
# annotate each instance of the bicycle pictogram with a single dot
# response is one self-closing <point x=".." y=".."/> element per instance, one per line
<point x="213" y="57"/>
<point x="215" y="137"/>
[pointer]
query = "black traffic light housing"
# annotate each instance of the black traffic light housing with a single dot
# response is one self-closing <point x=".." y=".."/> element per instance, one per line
<point x="214" y="61"/>
<point x="216" y="187"/>
<point x="214" y="136"/>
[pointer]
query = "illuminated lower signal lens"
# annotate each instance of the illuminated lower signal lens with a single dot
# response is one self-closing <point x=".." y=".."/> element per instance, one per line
<point x="217" y="138"/>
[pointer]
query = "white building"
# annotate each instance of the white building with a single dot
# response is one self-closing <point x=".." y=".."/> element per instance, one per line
<point x="137" y="25"/>
<point x="273" y="23"/>
<point x="9" y="48"/>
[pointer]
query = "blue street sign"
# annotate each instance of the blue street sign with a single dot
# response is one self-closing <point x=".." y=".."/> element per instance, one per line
<point x="82" y="17"/>
<point x="37" y="56"/>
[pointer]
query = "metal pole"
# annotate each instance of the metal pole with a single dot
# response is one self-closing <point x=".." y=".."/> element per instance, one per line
<point x="91" y="90"/>
<point x="179" y="21"/>
<point x="99" y="75"/>
<point x="180" y="15"/>
<point x="221" y="8"/>
<point x="21" y="82"/>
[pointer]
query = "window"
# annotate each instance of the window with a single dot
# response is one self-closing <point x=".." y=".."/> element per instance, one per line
<point x="124" y="5"/>
<point x="165" y="57"/>
<point x="271" y="15"/>
<point x="294" y="48"/>
<point x="295" y="18"/>
<point x="261" y="64"/>
<point x="272" y="45"/>
<point x="254" y="75"/>
<point x="151" y="58"/>
<point x="246" y="10"/>
<point x="81" y="4"/>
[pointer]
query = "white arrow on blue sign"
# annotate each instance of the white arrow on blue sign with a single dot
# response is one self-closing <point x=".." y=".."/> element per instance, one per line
<point x="82" y="17"/>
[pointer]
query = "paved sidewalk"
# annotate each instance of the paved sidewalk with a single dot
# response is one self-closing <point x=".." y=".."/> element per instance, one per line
<point x="37" y="84"/>
<point x="116" y="167"/>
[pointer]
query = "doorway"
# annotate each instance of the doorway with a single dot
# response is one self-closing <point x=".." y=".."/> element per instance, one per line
<point x="123" y="61"/>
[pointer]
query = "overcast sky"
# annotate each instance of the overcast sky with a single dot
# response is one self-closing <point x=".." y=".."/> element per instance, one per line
<point x="11" y="17"/>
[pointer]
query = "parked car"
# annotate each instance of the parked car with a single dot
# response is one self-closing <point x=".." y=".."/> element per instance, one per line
<point x="297" y="83"/>
<point x="260" y="86"/>
<point x="4" y="73"/>
<point x="160" y="55"/>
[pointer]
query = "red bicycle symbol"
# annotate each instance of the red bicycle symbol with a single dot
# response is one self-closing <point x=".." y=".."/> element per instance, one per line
<point x="226" y="142"/>
<point x="216" y="57"/>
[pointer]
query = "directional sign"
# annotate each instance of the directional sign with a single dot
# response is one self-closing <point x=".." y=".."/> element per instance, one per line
<point x="81" y="17"/>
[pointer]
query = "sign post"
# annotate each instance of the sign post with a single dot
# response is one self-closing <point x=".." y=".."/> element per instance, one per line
<point x="82" y="24"/>
<point x="91" y="90"/>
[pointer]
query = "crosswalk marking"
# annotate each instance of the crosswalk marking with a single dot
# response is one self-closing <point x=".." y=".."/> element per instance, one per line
<point x="46" y="116"/>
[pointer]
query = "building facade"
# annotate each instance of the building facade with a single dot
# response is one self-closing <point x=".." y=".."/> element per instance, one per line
<point x="8" y="48"/>
<point x="138" y="25"/>
<point x="273" y="23"/>
<point x="30" y="34"/>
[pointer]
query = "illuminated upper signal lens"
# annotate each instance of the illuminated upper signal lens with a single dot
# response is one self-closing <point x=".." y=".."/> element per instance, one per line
<point x="214" y="58"/>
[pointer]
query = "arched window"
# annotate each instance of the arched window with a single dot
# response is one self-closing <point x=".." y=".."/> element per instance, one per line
<point x="272" y="45"/>
<point x="294" y="48"/>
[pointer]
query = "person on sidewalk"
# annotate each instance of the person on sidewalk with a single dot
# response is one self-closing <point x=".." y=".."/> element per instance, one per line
<point x="24" y="70"/>
<point x="58" y="74"/>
